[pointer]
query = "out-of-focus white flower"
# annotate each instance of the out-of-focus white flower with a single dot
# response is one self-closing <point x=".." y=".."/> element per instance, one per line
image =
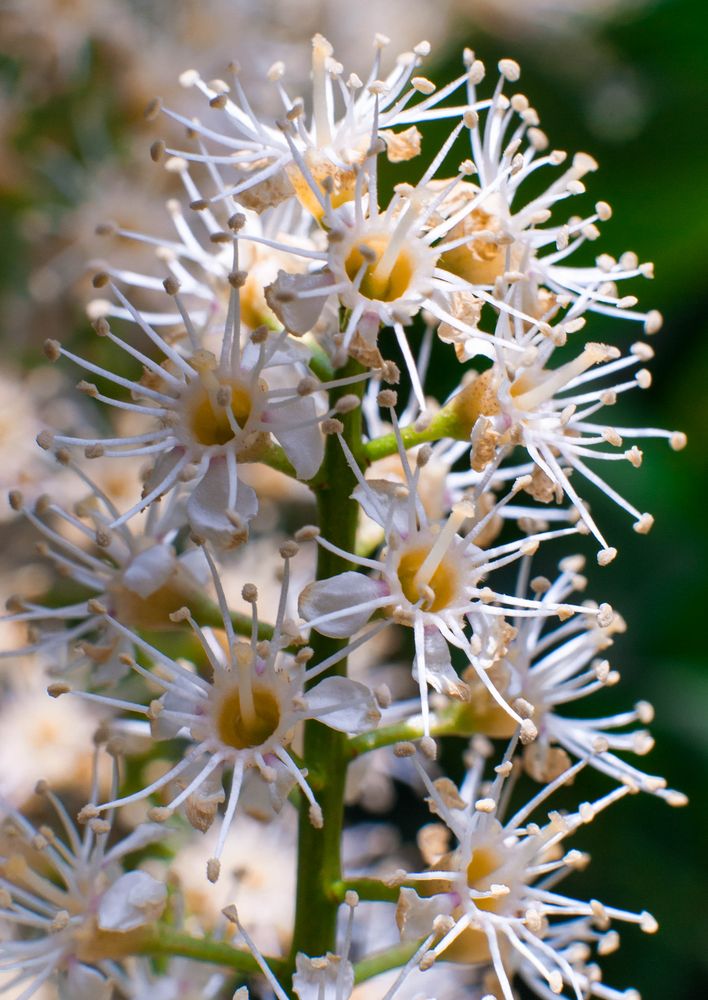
<point x="40" y="736"/>
<point x="133" y="574"/>
<point x="63" y="898"/>
<point x="182" y="979"/>
<point x="257" y="868"/>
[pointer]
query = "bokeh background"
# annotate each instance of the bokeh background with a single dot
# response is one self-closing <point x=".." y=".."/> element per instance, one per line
<point x="625" y="80"/>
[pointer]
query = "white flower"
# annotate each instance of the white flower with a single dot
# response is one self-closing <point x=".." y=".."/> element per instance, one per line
<point x="552" y="668"/>
<point x="208" y="413"/>
<point x="295" y="157"/>
<point x="242" y="718"/>
<point x="507" y="231"/>
<point x="181" y="979"/>
<point x="132" y="573"/>
<point x="494" y="894"/>
<point x="433" y="579"/>
<point x="62" y="896"/>
<point x="325" y="977"/>
<point x="551" y="412"/>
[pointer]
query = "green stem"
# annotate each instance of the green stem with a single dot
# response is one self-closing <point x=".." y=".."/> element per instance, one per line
<point x="456" y="720"/>
<point x="325" y="750"/>
<point x="370" y="889"/>
<point x="445" y="424"/>
<point x="275" y="458"/>
<point x="163" y="940"/>
<point x="391" y="958"/>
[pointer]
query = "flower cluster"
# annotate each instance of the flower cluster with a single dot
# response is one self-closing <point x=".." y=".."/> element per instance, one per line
<point x="251" y="382"/>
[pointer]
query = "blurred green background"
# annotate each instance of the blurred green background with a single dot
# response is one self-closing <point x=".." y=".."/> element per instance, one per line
<point x="625" y="81"/>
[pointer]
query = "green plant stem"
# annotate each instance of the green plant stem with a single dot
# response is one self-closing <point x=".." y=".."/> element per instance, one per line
<point x="453" y="721"/>
<point x="391" y="958"/>
<point x="371" y="889"/>
<point x="325" y="750"/>
<point x="164" y="940"/>
<point x="445" y="424"/>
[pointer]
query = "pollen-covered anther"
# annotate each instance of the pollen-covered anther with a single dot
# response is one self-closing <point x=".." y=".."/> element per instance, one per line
<point x="612" y="437"/>
<point x="345" y="404"/>
<point x="52" y="349"/>
<point x="678" y="441"/>
<point x="653" y="322"/>
<point x="644" y="524"/>
<point x="485" y="805"/>
<point x="606" y="556"/>
<point x="307" y="533"/>
<point x="527" y="732"/>
<point x="423" y="85"/>
<point x="387" y="398"/>
<point x="648" y="923"/>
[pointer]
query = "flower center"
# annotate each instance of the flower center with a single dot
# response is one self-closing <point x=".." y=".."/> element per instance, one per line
<point x="209" y="408"/>
<point x="480" y="260"/>
<point x="242" y="727"/>
<point x="384" y="279"/>
<point x="483" y="863"/>
<point x="341" y="178"/>
<point x="440" y="589"/>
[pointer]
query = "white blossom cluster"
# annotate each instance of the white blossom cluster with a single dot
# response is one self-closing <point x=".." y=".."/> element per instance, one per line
<point x="301" y="288"/>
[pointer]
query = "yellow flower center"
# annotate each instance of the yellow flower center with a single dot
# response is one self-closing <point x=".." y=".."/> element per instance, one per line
<point x="441" y="588"/>
<point x="242" y="730"/>
<point x="342" y="179"/>
<point x="209" y="420"/>
<point x="482" y="259"/>
<point x="385" y="284"/>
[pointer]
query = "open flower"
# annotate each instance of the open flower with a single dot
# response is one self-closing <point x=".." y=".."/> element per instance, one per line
<point x="551" y="413"/>
<point x="133" y="573"/>
<point x="298" y="157"/>
<point x="432" y="578"/>
<point x="209" y="411"/>
<point x="548" y="669"/>
<point x="512" y="232"/>
<point x="496" y="888"/>
<point x="70" y="910"/>
<point x="243" y="717"/>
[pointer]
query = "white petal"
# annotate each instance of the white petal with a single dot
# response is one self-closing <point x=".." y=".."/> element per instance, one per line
<point x="195" y="563"/>
<point x="81" y="982"/>
<point x="382" y="501"/>
<point x="150" y="569"/>
<point x="415" y="916"/>
<point x="298" y="315"/>
<point x="357" y="711"/>
<point x="263" y="799"/>
<point x="347" y="590"/>
<point x="304" y="446"/>
<point x="136" y="898"/>
<point x="146" y="833"/>
<point x="439" y="672"/>
<point x="207" y="506"/>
